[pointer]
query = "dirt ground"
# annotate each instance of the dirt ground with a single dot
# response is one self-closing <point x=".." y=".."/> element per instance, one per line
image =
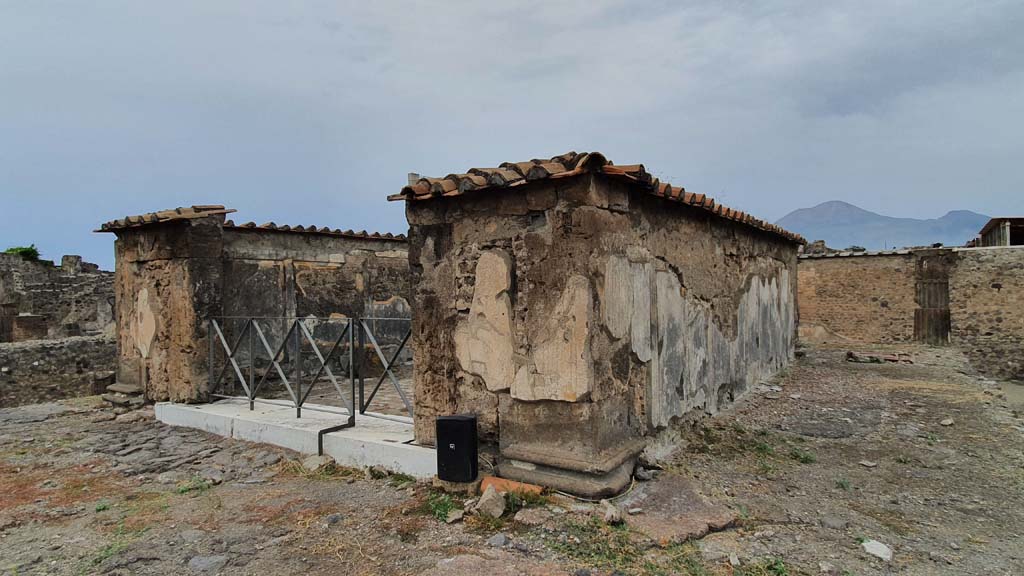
<point x="925" y="458"/>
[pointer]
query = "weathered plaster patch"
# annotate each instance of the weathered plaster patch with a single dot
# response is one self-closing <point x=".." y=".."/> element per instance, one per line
<point x="145" y="323"/>
<point x="483" y="341"/>
<point x="618" y="296"/>
<point x="561" y="367"/>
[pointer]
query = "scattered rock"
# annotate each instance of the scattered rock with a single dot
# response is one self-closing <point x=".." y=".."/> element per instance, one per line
<point x="315" y="462"/>
<point x="377" y="473"/>
<point x="877" y="549"/>
<point x="946" y="422"/>
<point x="171" y="477"/>
<point x="455" y="515"/>
<point x="826" y="568"/>
<point x="207" y="563"/>
<point x="834" y="523"/>
<point x="868" y="463"/>
<point x="191" y="536"/>
<point x="103" y="417"/>
<point x="129" y="417"/>
<point x="212" y="475"/>
<point x="612" y="513"/>
<point x="635" y="511"/>
<point x="734" y="560"/>
<point x="499" y="540"/>
<point x="532" y="516"/>
<point x="581" y="572"/>
<point x="643" y="474"/>
<point x="332" y="519"/>
<point x="491" y="503"/>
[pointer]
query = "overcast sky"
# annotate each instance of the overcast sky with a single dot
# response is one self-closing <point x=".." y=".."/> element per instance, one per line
<point x="312" y="112"/>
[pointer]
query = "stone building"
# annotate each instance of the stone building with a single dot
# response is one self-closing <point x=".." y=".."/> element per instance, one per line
<point x="1002" y="232"/>
<point x="579" y="308"/>
<point x="177" y="268"/>
<point x="39" y="300"/>
<point x="971" y="298"/>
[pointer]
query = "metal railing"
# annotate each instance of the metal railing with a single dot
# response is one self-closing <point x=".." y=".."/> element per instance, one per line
<point x="298" y="354"/>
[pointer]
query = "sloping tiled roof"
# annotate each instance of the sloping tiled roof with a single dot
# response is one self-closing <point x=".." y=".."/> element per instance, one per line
<point x="164" y="216"/>
<point x="512" y="174"/>
<point x="272" y="227"/>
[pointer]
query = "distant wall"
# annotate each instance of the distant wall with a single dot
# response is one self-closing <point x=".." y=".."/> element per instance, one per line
<point x="858" y="298"/>
<point x="873" y="298"/>
<point x="75" y="298"/>
<point x="43" y="370"/>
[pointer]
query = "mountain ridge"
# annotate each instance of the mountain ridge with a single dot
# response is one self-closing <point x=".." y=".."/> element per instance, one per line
<point x="842" y="224"/>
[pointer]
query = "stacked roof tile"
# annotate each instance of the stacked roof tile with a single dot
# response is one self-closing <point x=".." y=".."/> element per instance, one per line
<point x="213" y="210"/>
<point x="513" y="174"/>
<point x="164" y="216"/>
<point x="362" y="234"/>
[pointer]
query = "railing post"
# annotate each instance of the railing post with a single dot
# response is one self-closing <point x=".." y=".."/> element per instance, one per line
<point x="209" y="360"/>
<point x="252" y="367"/>
<point x="351" y="374"/>
<point x="298" y="372"/>
<point x="359" y="363"/>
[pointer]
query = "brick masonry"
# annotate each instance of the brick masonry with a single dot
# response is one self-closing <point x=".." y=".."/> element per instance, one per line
<point x="872" y="298"/>
<point x="42" y="370"/>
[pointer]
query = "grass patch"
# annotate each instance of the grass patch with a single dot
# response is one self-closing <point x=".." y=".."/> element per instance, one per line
<point x="843" y="484"/>
<point x="597" y="545"/>
<point x="102" y="506"/>
<point x="802" y="456"/>
<point x="438" y="505"/>
<point x="194" y="485"/>
<point x="400" y="480"/>
<point x="766" y="567"/>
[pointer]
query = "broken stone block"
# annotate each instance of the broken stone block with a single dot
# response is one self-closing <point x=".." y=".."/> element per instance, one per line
<point x="491" y="503"/>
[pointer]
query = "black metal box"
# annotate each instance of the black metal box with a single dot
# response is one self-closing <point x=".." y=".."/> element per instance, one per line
<point x="456" y="448"/>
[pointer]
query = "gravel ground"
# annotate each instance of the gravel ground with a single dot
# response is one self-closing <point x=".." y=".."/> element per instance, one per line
<point x="830" y="460"/>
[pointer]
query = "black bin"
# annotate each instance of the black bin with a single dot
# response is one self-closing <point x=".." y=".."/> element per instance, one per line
<point x="456" y="448"/>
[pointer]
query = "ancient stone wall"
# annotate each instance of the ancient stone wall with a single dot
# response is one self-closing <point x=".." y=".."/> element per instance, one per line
<point x="172" y="277"/>
<point x="874" y="297"/>
<point x="75" y="298"/>
<point x="986" y="294"/>
<point x="43" y="370"/>
<point x="576" y="318"/>
<point x="867" y="298"/>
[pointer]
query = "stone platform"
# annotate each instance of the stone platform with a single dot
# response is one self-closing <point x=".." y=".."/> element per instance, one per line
<point x="371" y="442"/>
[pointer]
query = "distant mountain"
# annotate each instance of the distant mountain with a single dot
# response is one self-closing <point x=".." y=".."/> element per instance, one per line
<point x="842" y="225"/>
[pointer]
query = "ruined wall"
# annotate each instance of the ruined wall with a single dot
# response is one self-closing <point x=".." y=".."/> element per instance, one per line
<point x="43" y="370"/>
<point x="168" y="280"/>
<point x="173" y="277"/>
<point x="582" y="317"/>
<point x="75" y="298"/>
<point x="986" y="293"/>
<point x="867" y="298"/>
<point x="302" y="274"/>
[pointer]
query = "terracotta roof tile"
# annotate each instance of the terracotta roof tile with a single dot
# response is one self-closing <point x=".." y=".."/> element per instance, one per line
<point x="272" y="227"/>
<point x="211" y="210"/>
<point x="510" y="174"/>
<point x="188" y="213"/>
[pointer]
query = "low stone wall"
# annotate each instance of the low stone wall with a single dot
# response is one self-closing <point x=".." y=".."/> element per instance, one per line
<point x="42" y="370"/>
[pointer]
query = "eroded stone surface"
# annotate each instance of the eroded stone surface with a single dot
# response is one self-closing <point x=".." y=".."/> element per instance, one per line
<point x="483" y="340"/>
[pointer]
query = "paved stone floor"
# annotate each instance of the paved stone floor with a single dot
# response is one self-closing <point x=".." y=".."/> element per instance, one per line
<point x="808" y="474"/>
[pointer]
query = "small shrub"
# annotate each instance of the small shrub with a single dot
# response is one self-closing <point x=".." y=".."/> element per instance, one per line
<point x="102" y="506"/>
<point x="802" y="456"/>
<point x="516" y="501"/>
<point x="843" y="484"/>
<point x="195" y="484"/>
<point x="438" y="505"/>
<point x="400" y="480"/>
<point x="29" y="253"/>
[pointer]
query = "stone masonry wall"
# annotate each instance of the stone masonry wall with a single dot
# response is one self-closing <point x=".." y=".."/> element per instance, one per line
<point x="576" y="318"/>
<point x="171" y="278"/>
<point x="857" y="298"/>
<point x="43" y="370"/>
<point x="986" y="293"/>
